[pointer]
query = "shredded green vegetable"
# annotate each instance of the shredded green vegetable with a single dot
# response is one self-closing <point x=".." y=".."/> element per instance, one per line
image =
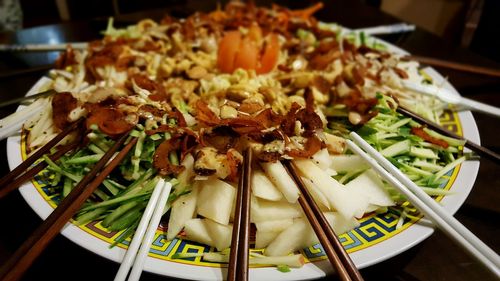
<point x="390" y="133"/>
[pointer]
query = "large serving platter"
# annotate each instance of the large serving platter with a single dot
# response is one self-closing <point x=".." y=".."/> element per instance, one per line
<point x="375" y="240"/>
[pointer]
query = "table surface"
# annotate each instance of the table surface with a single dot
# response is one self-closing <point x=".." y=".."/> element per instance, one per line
<point x="436" y="258"/>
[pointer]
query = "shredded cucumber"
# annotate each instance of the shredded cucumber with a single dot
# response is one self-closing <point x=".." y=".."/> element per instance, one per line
<point x="121" y="199"/>
<point x="396" y="149"/>
<point x="423" y="162"/>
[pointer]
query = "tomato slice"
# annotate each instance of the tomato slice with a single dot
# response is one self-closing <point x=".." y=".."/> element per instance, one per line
<point x="270" y="56"/>
<point x="236" y="51"/>
<point x="228" y="48"/>
<point x="247" y="56"/>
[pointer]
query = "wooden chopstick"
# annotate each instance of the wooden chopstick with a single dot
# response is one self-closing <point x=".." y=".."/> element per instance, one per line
<point x="21" y="260"/>
<point x="15" y="183"/>
<point x="238" y="256"/>
<point x="27" y="71"/>
<point x="340" y="260"/>
<point x="423" y="202"/>
<point x="25" y="98"/>
<point x="39" y="153"/>
<point x="456" y="66"/>
<point x="483" y="151"/>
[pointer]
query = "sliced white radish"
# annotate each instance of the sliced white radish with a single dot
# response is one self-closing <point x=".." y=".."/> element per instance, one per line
<point x="186" y="176"/>
<point x="372" y="208"/>
<point x="263" y="238"/>
<point x="315" y="192"/>
<point x="362" y="204"/>
<point x="264" y="210"/>
<point x="289" y="240"/>
<point x="280" y="177"/>
<point x="183" y="209"/>
<point x="335" y="192"/>
<point x="274" y="225"/>
<point x="301" y="234"/>
<point x="331" y="172"/>
<point x="197" y="231"/>
<point x="338" y="223"/>
<point x="263" y="188"/>
<point x="216" y="200"/>
<point x="369" y="184"/>
<point x="323" y="159"/>
<point x="220" y="234"/>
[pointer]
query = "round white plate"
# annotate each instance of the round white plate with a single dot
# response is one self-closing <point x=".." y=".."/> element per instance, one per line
<point x="370" y="255"/>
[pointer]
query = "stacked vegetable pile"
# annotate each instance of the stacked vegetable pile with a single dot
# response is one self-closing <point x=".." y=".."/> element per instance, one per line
<point x="197" y="92"/>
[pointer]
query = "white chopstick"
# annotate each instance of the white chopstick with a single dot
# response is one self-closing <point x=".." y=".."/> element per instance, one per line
<point x="136" y="272"/>
<point x="430" y="208"/>
<point x="447" y="96"/>
<point x="387" y="29"/>
<point x="42" y="47"/>
<point x="144" y="233"/>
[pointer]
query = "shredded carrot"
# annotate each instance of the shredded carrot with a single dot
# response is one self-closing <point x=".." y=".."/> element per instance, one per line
<point x="307" y="12"/>
<point x="419" y="131"/>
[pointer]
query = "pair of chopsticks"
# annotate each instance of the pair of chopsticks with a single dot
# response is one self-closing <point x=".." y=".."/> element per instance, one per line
<point x="430" y="208"/>
<point x="145" y="232"/>
<point x="480" y="150"/>
<point x="238" y="255"/>
<point x="25" y="255"/>
<point x="340" y="260"/>
<point x="20" y="174"/>
<point x="238" y="259"/>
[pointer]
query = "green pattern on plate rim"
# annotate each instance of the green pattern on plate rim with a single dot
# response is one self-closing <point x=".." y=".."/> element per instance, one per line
<point x="373" y="229"/>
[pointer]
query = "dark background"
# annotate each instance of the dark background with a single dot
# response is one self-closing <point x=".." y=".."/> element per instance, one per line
<point x="485" y="39"/>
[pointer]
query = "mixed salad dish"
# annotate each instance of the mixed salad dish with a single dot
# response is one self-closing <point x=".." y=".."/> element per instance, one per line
<point x="196" y="92"/>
